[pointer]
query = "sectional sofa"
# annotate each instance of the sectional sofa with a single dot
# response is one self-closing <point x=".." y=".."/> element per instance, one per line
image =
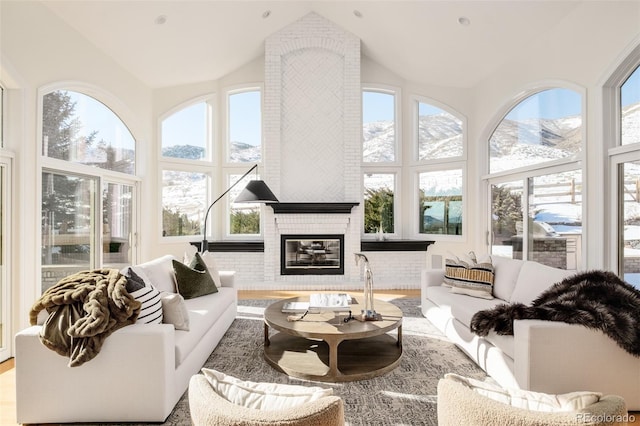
<point x="139" y="374"/>
<point x="541" y="356"/>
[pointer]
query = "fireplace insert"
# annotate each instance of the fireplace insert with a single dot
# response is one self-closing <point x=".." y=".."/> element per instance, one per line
<point x="312" y="254"/>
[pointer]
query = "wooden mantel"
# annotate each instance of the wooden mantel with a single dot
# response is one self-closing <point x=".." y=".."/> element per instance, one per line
<point x="312" y="207"/>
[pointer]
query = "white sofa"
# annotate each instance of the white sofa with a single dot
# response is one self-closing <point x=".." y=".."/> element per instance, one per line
<point x="542" y="356"/>
<point x="141" y="372"/>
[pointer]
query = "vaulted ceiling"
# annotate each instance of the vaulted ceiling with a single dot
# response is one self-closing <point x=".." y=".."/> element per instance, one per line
<point x="444" y="43"/>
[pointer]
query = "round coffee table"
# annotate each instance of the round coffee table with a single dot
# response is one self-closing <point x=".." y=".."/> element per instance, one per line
<point x="323" y="347"/>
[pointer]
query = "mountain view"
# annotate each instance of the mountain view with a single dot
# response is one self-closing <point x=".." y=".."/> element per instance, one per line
<point x="513" y="143"/>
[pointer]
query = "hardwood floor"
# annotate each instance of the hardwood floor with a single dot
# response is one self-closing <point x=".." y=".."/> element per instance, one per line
<point x="8" y="378"/>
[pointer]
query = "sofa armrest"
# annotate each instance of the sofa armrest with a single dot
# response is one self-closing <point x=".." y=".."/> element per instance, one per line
<point x="432" y="277"/>
<point x="136" y="360"/>
<point x="556" y="357"/>
<point x="227" y="278"/>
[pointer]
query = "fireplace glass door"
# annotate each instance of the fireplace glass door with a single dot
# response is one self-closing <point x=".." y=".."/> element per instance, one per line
<point x="312" y="255"/>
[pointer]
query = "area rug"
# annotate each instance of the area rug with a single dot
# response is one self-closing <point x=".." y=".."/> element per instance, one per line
<point x="403" y="396"/>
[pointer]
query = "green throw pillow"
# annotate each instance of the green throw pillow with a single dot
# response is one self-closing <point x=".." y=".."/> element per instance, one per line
<point x="192" y="282"/>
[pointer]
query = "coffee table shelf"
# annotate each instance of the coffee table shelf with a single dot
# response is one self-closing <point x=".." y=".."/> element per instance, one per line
<point x="323" y="347"/>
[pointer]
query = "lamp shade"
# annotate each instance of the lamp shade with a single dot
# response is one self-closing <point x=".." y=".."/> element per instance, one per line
<point x="256" y="191"/>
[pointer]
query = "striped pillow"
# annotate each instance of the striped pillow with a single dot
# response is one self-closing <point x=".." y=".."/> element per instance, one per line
<point x="472" y="278"/>
<point x="151" y="309"/>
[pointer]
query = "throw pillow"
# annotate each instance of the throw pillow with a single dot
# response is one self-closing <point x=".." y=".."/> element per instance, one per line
<point x="528" y="400"/>
<point x="469" y="276"/>
<point x="262" y="396"/>
<point x="174" y="311"/>
<point x="192" y="282"/>
<point x="134" y="281"/>
<point x="151" y="305"/>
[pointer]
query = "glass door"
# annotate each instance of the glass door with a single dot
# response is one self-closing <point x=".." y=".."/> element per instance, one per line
<point x="5" y="288"/>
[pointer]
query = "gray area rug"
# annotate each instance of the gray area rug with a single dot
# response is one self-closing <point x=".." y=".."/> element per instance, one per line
<point x="403" y="396"/>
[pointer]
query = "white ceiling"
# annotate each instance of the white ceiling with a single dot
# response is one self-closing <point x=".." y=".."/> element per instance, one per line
<point x="204" y="40"/>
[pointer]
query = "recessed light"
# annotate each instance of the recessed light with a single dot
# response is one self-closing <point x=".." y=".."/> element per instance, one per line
<point x="464" y="21"/>
<point x="161" y="20"/>
<point x="266" y="14"/>
<point x="357" y="13"/>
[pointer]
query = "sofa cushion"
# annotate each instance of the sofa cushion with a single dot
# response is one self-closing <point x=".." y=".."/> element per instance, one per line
<point x="533" y="279"/>
<point x="158" y="272"/>
<point x="203" y="313"/>
<point x="461" y="306"/>
<point x="506" y="272"/>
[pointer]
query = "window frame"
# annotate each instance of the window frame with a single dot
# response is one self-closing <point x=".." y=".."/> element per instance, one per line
<point x="210" y="154"/>
<point x="616" y="154"/>
<point x="64" y="167"/>
<point x="397" y="201"/>
<point x="397" y="111"/>
<point x="416" y="100"/>
<point x="226" y="149"/>
<point x="434" y="168"/>
<point x="575" y="162"/>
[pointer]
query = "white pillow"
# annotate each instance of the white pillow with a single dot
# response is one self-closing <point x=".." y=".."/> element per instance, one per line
<point x="262" y="396"/>
<point x="207" y="256"/>
<point x="174" y="310"/>
<point x="535" y="401"/>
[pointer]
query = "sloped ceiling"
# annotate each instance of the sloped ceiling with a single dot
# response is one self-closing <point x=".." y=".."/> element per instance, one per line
<point x="168" y="43"/>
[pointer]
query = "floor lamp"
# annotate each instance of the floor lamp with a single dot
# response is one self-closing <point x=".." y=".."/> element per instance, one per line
<point x="256" y="191"/>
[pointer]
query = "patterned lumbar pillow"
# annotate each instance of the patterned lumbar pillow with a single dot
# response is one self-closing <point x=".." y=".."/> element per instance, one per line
<point x="194" y="280"/>
<point x="469" y="276"/>
<point x="149" y="298"/>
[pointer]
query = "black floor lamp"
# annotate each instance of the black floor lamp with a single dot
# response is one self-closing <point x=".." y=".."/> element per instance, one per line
<point x="256" y="191"/>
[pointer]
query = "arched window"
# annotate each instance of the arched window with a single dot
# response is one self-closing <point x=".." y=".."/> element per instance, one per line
<point x="630" y="109"/>
<point x="87" y="185"/>
<point x="536" y="180"/>
<point x="80" y="129"/>
<point x="545" y="126"/>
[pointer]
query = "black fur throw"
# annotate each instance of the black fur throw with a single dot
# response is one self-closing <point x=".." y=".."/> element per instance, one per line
<point x="594" y="299"/>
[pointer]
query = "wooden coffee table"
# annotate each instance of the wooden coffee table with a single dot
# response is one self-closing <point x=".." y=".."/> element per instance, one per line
<point x="323" y="347"/>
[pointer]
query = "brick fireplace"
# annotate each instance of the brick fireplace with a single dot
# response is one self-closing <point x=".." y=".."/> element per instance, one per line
<point x="312" y="142"/>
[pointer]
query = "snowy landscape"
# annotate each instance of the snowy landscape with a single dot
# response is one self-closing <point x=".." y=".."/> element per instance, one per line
<point x="513" y="143"/>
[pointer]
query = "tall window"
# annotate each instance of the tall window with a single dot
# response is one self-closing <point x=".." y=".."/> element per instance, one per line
<point x="439" y="150"/>
<point x="625" y="170"/>
<point x="244" y="145"/>
<point x="187" y="165"/>
<point x="87" y="213"/>
<point x="536" y="202"/>
<point x="245" y="127"/>
<point x="379" y="126"/>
